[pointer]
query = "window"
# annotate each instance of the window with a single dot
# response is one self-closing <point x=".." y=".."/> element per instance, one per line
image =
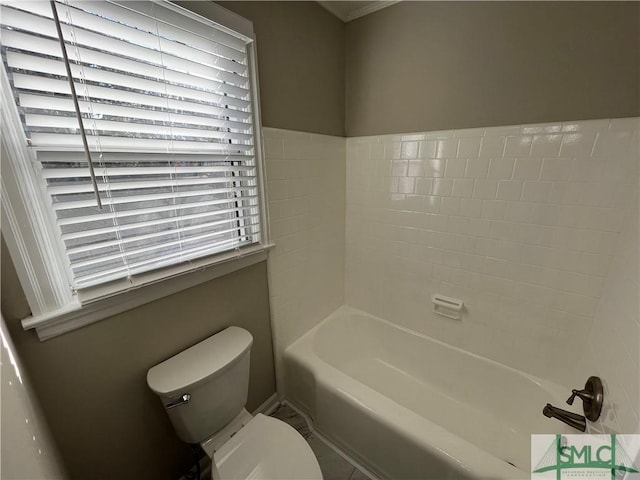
<point x="164" y="176"/>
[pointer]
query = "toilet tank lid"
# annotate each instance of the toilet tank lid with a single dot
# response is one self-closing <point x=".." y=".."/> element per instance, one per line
<point x="199" y="362"/>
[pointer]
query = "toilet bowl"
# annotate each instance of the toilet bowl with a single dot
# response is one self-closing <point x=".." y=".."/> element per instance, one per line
<point x="264" y="448"/>
<point x="204" y="391"/>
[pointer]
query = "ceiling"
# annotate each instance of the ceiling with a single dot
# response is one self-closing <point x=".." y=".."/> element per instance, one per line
<point x="347" y="10"/>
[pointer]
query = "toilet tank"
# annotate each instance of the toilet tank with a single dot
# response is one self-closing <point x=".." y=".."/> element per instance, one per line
<point x="214" y="374"/>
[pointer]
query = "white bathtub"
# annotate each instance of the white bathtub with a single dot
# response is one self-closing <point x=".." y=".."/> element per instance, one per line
<point x="407" y="406"/>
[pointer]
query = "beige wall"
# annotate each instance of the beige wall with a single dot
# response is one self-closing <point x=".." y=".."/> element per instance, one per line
<point x="419" y="66"/>
<point x="92" y="382"/>
<point x="300" y="63"/>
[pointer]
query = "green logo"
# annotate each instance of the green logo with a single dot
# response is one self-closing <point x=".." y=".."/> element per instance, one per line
<point x="587" y="456"/>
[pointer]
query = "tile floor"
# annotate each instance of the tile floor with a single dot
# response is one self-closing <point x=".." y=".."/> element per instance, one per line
<point x="333" y="466"/>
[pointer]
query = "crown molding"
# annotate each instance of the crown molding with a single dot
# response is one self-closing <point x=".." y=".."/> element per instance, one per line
<point x="370" y="7"/>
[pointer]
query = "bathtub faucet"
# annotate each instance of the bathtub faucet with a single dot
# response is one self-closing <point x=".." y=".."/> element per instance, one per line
<point x="572" y="419"/>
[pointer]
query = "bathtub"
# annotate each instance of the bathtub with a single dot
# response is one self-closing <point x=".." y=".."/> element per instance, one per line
<point x="407" y="406"/>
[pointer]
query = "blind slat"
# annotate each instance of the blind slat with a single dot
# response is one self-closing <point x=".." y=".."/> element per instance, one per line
<point x="90" y="69"/>
<point x="141" y="171"/>
<point x="122" y="228"/>
<point x="170" y="259"/>
<point x="146" y="16"/>
<point x="90" y="30"/>
<point x="101" y="106"/>
<point x="19" y="41"/>
<point x="46" y="157"/>
<point x="67" y="141"/>
<point x="108" y="111"/>
<point x="153" y="197"/>
<point x="160" y="246"/>
<point x="149" y="238"/>
<point x="145" y="211"/>
<point x="41" y="123"/>
<point x="151" y="96"/>
<point x="74" y="188"/>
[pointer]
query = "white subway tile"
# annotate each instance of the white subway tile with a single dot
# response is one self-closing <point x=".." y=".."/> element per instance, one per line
<point x="479" y="226"/>
<point x="469" y="147"/>
<point x="428" y="148"/>
<point x="462" y="187"/>
<point x="450" y="206"/>
<point x="393" y="150"/>
<point x="399" y="168"/>
<point x="470" y="207"/>
<point x="518" y="146"/>
<point x="455" y="167"/>
<point x="632" y="123"/>
<point x="409" y="150"/>
<point x="469" y="132"/>
<point x="578" y="145"/>
<point x="440" y="135"/>
<point x="412" y="137"/>
<point x="435" y="168"/>
<point x="406" y="184"/>
<point x="277" y="190"/>
<point x="494" y="209"/>
<point x="492" y="147"/>
<point x="477" y="167"/>
<point x="546" y="145"/>
<point x="615" y="143"/>
<point x="585" y="125"/>
<point x="376" y="151"/>
<point x="527" y="169"/>
<point x="519" y="212"/>
<point x="541" y="128"/>
<point x="556" y="169"/>
<point x="536" y="191"/>
<point x="509" y="190"/>
<point x="442" y="186"/>
<point x="273" y="148"/>
<point x="447" y="148"/>
<point x="423" y="186"/>
<point x="485" y="189"/>
<point x="417" y="168"/>
<point x="503" y="130"/>
<point x="501" y="168"/>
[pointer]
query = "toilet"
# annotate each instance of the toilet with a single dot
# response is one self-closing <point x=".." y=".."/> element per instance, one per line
<point x="204" y="391"/>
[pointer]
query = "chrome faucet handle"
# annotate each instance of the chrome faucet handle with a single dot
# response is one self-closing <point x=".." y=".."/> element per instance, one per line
<point x="585" y="395"/>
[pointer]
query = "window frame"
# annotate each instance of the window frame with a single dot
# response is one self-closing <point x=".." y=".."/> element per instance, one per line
<point x="40" y="259"/>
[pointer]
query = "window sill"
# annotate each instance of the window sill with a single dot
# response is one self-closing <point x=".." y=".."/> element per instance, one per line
<point x="76" y="315"/>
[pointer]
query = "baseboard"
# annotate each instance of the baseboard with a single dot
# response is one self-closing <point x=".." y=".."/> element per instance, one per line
<point x="268" y="406"/>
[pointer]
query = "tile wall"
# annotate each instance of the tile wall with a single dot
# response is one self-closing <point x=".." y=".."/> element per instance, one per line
<point x="613" y="348"/>
<point x="306" y="195"/>
<point x="520" y="222"/>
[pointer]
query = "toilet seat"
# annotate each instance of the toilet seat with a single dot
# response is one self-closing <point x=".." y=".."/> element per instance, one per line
<point x="267" y="449"/>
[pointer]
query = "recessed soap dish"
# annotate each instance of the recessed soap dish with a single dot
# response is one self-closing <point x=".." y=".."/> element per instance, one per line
<point x="447" y="306"/>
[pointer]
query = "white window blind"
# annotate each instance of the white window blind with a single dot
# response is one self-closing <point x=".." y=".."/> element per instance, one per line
<point x="167" y="108"/>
